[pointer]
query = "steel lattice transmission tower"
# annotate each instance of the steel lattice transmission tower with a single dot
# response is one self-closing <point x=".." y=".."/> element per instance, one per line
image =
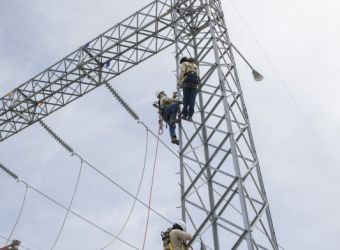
<point x="223" y="195"/>
<point x="223" y="199"/>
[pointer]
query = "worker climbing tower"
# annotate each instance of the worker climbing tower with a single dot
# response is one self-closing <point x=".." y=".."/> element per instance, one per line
<point x="222" y="191"/>
<point x="223" y="199"/>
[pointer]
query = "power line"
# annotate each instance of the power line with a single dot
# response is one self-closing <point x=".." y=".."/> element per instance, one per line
<point x="177" y="156"/>
<point x="283" y="83"/>
<point x="19" y="216"/>
<point x="71" y="211"/>
<point x="102" y="173"/>
<point x="78" y="215"/>
<point x="137" y="193"/>
<point x="122" y="101"/>
<point x="69" y="207"/>
<point x="21" y="246"/>
<point x="9" y="172"/>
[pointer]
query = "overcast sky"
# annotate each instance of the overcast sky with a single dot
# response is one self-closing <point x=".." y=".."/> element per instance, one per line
<point x="297" y="140"/>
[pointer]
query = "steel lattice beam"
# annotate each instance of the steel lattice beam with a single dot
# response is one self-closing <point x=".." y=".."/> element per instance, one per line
<point x="223" y="197"/>
<point x="130" y="42"/>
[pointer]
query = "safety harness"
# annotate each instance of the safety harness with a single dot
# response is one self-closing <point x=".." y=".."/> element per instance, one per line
<point x="166" y="240"/>
<point x="191" y="77"/>
<point x="162" y="114"/>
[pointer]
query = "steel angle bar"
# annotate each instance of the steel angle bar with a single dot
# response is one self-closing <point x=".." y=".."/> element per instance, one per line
<point x="202" y="125"/>
<point x="215" y="129"/>
<point x="222" y="219"/>
<point x="59" y="73"/>
<point x="196" y="190"/>
<point x="260" y="246"/>
<point x="228" y="229"/>
<point x="207" y="164"/>
<point x="195" y="227"/>
<point x="239" y="241"/>
<point x="211" y="212"/>
<point x="193" y="149"/>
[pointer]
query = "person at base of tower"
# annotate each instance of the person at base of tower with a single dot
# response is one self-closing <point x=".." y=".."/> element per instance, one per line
<point x="169" y="108"/>
<point x="13" y="246"/>
<point x="176" y="237"/>
<point x="188" y="80"/>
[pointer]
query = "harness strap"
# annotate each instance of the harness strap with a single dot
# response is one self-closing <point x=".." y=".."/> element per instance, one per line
<point x="160" y="123"/>
<point x="191" y="72"/>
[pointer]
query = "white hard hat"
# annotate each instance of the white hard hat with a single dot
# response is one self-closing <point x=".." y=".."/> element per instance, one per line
<point x="159" y="92"/>
<point x="182" y="225"/>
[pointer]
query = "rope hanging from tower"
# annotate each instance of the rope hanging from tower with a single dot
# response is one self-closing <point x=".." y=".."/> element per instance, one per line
<point x="137" y="193"/>
<point x="151" y="189"/>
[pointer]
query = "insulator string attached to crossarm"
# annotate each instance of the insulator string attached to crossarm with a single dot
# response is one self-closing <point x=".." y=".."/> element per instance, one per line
<point x="56" y="137"/>
<point x="9" y="172"/>
<point x="122" y="101"/>
<point x="108" y="178"/>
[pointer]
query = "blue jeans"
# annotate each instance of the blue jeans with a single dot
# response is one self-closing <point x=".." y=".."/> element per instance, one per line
<point x="189" y="97"/>
<point x="170" y="113"/>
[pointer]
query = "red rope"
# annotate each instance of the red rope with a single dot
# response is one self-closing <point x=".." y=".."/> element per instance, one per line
<point x="150" y="195"/>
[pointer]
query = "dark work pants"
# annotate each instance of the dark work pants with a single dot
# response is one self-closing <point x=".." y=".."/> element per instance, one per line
<point x="171" y="112"/>
<point x="189" y="97"/>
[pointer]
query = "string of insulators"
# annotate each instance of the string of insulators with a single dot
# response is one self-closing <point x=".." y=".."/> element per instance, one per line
<point x="56" y="137"/>
<point x="122" y="102"/>
<point x="9" y="172"/>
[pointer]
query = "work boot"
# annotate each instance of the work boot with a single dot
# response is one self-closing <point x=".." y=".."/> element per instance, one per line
<point x="174" y="140"/>
<point x="174" y="120"/>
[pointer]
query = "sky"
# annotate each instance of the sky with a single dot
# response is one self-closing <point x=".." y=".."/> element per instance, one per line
<point x="293" y="114"/>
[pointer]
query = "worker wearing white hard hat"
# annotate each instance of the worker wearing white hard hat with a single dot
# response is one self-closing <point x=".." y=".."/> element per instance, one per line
<point x="178" y="237"/>
<point x="168" y="109"/>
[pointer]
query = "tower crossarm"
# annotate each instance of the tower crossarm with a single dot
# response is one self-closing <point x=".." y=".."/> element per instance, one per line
<point x="125" y="45"/>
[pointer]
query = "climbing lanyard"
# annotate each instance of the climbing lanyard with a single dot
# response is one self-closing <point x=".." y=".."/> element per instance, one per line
<point x="160" y="123"/>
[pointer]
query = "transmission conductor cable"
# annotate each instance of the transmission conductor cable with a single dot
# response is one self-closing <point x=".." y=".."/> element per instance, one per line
<point x="70" y="150"/>
<point x="330" y="157"/>
<point x="13" y="175"/>
<point x="22" y="246"/>
<point x="20" y="212"/>
<point x="69" y="207"/>
<point x="137" y="193"/>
